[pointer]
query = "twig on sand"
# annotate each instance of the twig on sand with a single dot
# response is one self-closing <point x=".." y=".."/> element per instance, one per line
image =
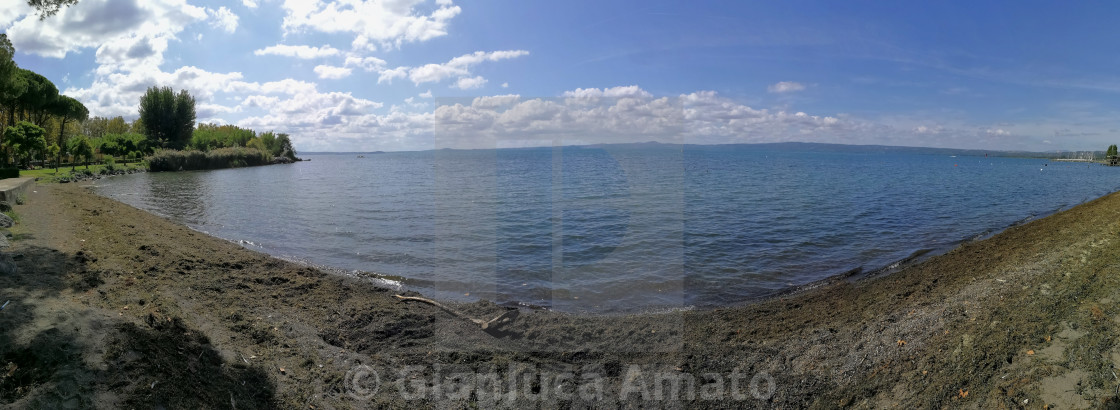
<point x="487" y="325"/>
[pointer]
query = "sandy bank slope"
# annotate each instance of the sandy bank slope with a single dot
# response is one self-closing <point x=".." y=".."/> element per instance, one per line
<point x="114" y="307"/>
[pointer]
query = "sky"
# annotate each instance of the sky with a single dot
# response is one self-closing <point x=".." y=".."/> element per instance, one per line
<point x="354" y="75"/>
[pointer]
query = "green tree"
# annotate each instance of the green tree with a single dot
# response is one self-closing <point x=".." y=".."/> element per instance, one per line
<point x="66" y="108"/>
<point x="269" y="140"/>
<point x="284" y="145"/>
<point x="54" y="151"/>
<point x="137" y="127"/>
<point x="10" y="86"/>
<point x="80" y="148"/>
<point x="38" y="98"/>
<point x="1111" y="152"/>
<point x="49" y="8"/>
<point x="211" y="136"/>
<point x="116" y="125"/>
<point x="168" y="117"/>
<point x="26" y="139"/>
<point x="257" y="144"/>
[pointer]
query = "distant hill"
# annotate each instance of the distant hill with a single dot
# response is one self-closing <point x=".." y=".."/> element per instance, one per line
<point x="342" y="153"/>
<point x="818" y="147"/>
<point x="823" y="147"/>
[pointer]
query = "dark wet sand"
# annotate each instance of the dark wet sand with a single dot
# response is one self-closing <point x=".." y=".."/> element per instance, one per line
<point x="116" y="308"/>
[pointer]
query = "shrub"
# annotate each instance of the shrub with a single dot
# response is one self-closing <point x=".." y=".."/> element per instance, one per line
<point x="9" y="173"/>
<point x="168" y="160"/>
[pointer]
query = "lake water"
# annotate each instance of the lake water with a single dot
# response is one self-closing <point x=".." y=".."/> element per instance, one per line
<point x="613" y="229"/>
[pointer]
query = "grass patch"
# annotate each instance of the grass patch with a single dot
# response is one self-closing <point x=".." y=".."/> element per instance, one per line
<point x="65" y="173"/>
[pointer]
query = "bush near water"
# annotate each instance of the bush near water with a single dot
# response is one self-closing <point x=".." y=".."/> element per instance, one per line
<point x="188" y="160"/>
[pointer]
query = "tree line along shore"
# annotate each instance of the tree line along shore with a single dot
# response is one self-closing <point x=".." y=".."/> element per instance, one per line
<point x="41" y="128"/>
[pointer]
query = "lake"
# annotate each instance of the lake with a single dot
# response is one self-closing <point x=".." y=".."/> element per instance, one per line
<point x="614" y="228"/>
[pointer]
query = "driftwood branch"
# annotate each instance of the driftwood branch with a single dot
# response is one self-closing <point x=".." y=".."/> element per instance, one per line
<point x="487" y="325"/>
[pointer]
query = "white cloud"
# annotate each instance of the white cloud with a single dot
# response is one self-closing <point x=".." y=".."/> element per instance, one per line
<point x="250" y="3"/>
<point x="12" y="11"/>
<point x="785" y="87"/>
<point x="117" y="93"/>
<point x="212" y="112"/>
<point x="505" y="85"/>
<point x="223" y="18"/>
<point x="629" y="114"/>
<point x="389" y="24"/>
<point x="928" y="130"/>
<point x="362" y="43"/>
<point x="997" y="132"/>
<point x="286" y="86"/>
<point x="388" y="75"/>
<point x="130" y="52"/>
<point x="94" y="23"/>
<point x="426" y="94"/>
<point x="470" y="83"/>
<point x="458" y="67"/>
<point x="301" y="51"/>
<point x="318" y="115"/>
<point x="366" y="63"/>
<point x="496" y="101"/>
<point x="331" y="72"/>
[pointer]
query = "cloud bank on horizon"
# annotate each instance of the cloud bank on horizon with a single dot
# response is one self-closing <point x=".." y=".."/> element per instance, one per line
<point x="362" y="75"/>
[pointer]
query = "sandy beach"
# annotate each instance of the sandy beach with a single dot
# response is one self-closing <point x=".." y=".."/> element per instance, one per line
<point x="113" y="307"/>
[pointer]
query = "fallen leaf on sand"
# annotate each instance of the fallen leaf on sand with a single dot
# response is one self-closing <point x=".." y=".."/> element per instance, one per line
<point x="1030" y="352"/>
<point x="962" y="393"/>
<point x="901" y="342"/>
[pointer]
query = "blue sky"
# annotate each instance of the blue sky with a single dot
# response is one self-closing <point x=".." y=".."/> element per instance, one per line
<point x="354" y="75"/>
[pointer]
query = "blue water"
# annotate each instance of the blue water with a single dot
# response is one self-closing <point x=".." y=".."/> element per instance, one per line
<point x="617" y="228"/>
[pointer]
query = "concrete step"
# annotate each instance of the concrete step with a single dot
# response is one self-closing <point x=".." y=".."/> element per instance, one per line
<point x="12" y="187"/>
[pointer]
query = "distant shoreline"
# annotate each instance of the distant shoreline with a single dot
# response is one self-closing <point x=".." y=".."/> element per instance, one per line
<point x="790" y="146"/>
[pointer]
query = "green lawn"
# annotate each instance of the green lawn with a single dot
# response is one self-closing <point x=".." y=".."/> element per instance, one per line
<point x="49" y="175"/>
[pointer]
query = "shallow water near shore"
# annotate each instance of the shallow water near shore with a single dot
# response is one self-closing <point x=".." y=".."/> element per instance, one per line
<point x="613" y="229"/>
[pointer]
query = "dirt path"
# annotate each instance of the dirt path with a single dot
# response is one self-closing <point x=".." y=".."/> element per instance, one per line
<point x="113" y="307"/>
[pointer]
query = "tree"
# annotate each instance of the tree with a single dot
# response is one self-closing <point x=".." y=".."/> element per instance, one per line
<point x="80" y="148"/>
<point x="1111" y="152"/>
<point x="168" y="118"/>
<point x="54" y="151"/>
<point x="26" y="139"/>
<point x="284" y="145"/>
<point x="11" y="86"/>
<point x="258" y="144"/>
<point x="37" y="99"/>
<point x="67" y="108"/>
<point x="49" y="8"/>
<point x="269" y="140"/>
<point x="116" y="125"/>
<point x="7" y="65"/>
<point x="137" y="127"/>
